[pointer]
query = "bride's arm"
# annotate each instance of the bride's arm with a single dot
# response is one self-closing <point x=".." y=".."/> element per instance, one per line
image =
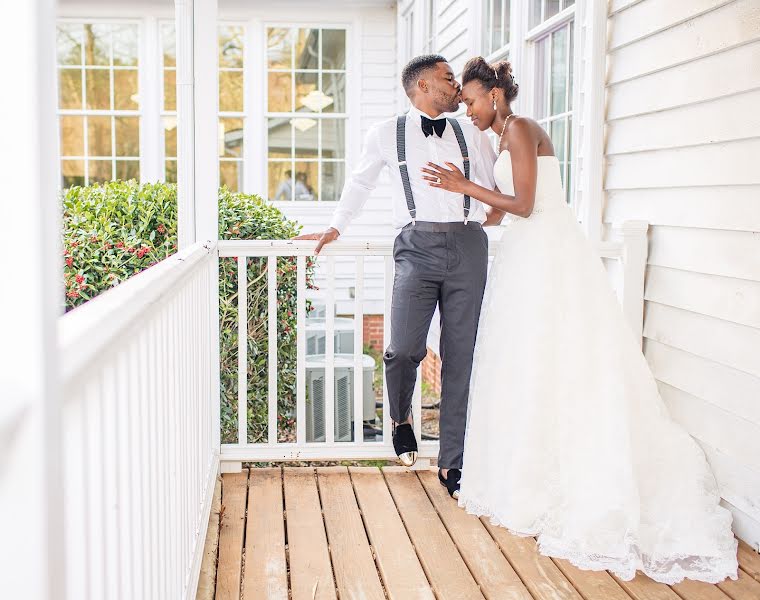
<point x="522" y="152"/>
<point x="494" y="216"/>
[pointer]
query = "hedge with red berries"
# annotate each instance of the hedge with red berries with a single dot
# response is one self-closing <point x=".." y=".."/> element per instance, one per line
<point x="115" y="230"/>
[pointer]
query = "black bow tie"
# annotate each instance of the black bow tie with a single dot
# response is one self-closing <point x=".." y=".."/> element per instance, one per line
<point x="430" y="125"/>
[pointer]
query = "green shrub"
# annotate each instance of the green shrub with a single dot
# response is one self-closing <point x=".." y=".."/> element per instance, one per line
<point x="115" y="230"/>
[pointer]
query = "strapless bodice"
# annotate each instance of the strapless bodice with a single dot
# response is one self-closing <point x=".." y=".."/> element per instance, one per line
<point x="549" y="192"/>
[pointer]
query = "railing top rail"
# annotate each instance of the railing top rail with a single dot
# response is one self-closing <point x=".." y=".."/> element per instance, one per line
<point x="378" y="247"/>
<point x="88" y="331"/>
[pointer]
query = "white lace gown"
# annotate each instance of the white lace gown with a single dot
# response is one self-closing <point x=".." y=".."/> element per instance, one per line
<point x="567" y="437"/>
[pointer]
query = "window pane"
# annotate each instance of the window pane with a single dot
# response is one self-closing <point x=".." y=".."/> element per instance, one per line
<point x="169" y="45"/>
<point x="99" y="136"/>
<point x="279" y="48"/>
<point x="542" y="92"/>
<point x="306" y="181"/>
<point x="568" y="3"/>
<point x="170" y="171"/>
<point x="334" y="48"/>
<point x="551" y="8"/>
<point x="127" y="169"/>
<point x="125" y="45"/>
<point x="280" y="92"/>
<point x="559" y="71"/>
<point x="333" y="138"/>
<point x="72" y="136"/>
<point x="557" y="133"/>
<point x="307" y="49"/>
<point x="496" y="30"/>
<point x="125" y="89"/>
<point x="98" y="84"/>
<point x="97" y="49"/>
<point x="306" y="138"/>
<point x="100" y="171"/>
<point x="127" y="136"/>
<point x="279" y="137"/>
<point x="333" y="177"/>
<point x="231" y="47"/>
<point x="231" y="137"/>
<point x="535" y="12"/>
<point x="280" y="181"/>
<point x="231" y="91"/>
<point x="70" y="88"/>
<point x="231" y="174"/>
<point x="170" y="89"/>
<point x="308" y="97"/>
<point x="170" y="136"/>
<point x="69" y="44"/>
<point x="72" y="173"/>
<point x="569" y="185"/>
<point x="334" y="87"/>
<point x="571" y="33"/>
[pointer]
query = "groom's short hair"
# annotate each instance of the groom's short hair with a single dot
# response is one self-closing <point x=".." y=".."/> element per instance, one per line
<point x="416" y="67"/>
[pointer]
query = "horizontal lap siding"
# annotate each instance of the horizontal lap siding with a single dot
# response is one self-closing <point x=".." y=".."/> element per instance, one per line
<point x="683" y="140"/>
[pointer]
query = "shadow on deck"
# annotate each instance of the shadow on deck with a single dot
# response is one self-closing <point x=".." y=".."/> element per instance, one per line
<point x="362" y="532"/>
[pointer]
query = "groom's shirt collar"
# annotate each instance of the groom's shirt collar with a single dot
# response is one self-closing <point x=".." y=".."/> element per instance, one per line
<point x="415" y="114"/>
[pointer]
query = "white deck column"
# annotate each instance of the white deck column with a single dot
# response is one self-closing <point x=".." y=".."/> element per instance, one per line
<point x="32" y="297"/>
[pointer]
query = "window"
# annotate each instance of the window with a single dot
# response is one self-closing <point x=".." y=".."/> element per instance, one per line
<point x="542" y="10"/>
<point x="306" y="113"/>
<point x="98" y="102"/>
<point x="554" y="94"/>
<point x="231" y="106"/>
<point x="169" y="100"/>
<point x="496" y="25"/>
<point x="430" y="28"/>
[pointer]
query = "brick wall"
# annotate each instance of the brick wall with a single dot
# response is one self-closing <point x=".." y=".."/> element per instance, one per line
<point x="373" y="332"/>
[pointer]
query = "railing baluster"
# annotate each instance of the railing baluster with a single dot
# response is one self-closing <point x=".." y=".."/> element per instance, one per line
<point x="272" y="349"/>
<point x="330" y="352"/>
<point x="388" y="289"/>
<point x="300" y="350"/>
<point x="242" y="351"/>
<point x="359" y="351"/>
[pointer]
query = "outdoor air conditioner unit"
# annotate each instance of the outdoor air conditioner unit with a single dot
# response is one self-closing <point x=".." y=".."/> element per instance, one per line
<point x="343" y="333"/>
<point x="344" y="396"/>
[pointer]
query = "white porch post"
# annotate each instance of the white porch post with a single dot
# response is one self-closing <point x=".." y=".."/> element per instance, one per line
<point x="30" y="466"/>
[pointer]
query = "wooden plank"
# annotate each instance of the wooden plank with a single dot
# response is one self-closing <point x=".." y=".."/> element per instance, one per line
<point x="734" y="437"/>
<point x="354" y="568"/>
<point x="234" y="491"/>
<point x="592" y="585"/>
<point x="397" y="562"/>
<point x="489" y="567"/>
<point x="727" y="388"/>
<point x="744" y="588"/>
<point x="207" y="577"/>
<point x="698" y="590"/>
<point x="688" y="206"/>
<point x="687" y="41"/>
<point x="266" y="569"/>
<point x="687" y="84"/>
<point x="539" y="573"/>
<point x="642" y="587"/>
<point x="310" y="570"/>
<point x="749" y="560"/>
<point x="724" y="163"/>
<point x="727" y="343"/>
<point x="444" y="567"/>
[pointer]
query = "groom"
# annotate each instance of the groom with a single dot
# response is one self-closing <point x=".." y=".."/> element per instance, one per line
<point x="440" y="252"/>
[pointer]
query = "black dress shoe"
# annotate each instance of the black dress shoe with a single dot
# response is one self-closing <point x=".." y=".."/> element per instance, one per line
<point x="405" y="444"/>
<point x="451" y="481"/>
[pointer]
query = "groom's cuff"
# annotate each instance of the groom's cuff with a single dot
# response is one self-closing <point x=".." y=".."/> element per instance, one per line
<point x="338" y="224"/>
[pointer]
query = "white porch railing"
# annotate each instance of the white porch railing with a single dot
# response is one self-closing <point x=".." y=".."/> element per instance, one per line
<point x="627" y="252"/>
<point x="140" y="426"/>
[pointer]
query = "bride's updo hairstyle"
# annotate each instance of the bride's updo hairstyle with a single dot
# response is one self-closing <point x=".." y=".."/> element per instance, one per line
<point x="499" y="75"/>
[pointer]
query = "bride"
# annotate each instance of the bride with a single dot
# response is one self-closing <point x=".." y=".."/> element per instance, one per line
<point x="567" y="437"/>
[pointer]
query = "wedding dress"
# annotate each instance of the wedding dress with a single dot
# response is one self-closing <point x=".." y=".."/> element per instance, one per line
<point x="567" y="438"/>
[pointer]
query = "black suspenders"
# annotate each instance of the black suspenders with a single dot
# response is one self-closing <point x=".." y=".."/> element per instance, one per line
<point x="401" y="152"/>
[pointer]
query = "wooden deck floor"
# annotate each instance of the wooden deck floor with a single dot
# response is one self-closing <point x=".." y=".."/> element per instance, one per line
<point x="351" y="533"/>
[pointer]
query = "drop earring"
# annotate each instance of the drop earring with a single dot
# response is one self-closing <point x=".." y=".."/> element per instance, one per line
<point x="494" y="103"/>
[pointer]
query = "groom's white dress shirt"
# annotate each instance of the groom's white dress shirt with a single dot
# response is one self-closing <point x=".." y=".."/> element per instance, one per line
<point x="433" y="204"/>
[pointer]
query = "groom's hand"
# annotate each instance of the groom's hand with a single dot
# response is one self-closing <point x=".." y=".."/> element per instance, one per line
<point x="325" y="237"/>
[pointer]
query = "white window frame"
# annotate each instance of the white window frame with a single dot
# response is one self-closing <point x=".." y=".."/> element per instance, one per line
<point x="494" y="54"/>
<point x="85" y="112"/>
<point x="259" y="155"/>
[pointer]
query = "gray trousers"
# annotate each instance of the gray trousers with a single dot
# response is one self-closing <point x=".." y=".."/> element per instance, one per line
<point x="442" y="264"/>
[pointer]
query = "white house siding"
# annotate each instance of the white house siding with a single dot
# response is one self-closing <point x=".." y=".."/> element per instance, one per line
<point x="683" y="141"/>
<point x="453" y="24"/>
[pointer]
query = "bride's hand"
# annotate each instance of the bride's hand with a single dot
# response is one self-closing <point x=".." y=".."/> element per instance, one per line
<point x="452" y="180"/>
